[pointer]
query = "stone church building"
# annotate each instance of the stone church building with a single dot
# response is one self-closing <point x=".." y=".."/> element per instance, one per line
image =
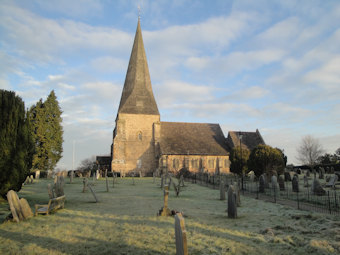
<point x="143" y="143"/>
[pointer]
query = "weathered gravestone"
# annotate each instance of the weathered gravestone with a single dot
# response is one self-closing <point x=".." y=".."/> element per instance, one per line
<point x="85" y="182"/>
<point x="332" y="181"/>
<point x="287" y="177"/>
<point x="107" y="184"/>
<point x="20" y="209"/>
<point x="261" y="184"/>
<point x="295" y="183"/>
<point x="181" y="181"/>
<point x="305" y="181"/>
<point x="281" y="183"/>
<point x="180" y="235"/>
<point x="274" y="183"/>
<point x="321" y="173"/>
<point x="93" y="193"/>
<point x="222" y="190"/>
<point x="165" y="211"/>
<point x="317" y="188"/>
<point x="37" y="174"/>
<point x="50" y="191"/>
<point x="308" y="173"/>
<point x="232" y="205"/>
<point x="71" y="176"/>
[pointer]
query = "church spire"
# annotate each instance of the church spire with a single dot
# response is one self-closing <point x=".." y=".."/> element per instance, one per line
<point x="137" y="96"/>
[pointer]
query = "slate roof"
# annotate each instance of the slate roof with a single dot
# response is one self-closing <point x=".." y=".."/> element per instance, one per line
<point x="180" y="138"/>
<point x="137" y="96"/>
<point x="249" y="139"/>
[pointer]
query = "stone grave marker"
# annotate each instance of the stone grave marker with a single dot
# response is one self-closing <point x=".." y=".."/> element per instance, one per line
<point x="25" y="208"/>
<point x="232" y="205"/>
<point x="222" y="190"/>
<point x="37" y="174"/>
<point x="107" y="184"/>
<point x="274" y="183"/>
<point x="321" y="173"/>
<point x="317" y="188"/>
<point x="305" y="181"/>
<point x="332" y="181"/>
<point x="71" y="176"/>
<point x="308" y="173"/>
<point x="50" y="191"/>
<point x="287" y="177"/>
<point x="181" y="181"/>
<point x="93" y="193"/>
<point x="14" y="205"/>
<point x="261" y="184"/>
<point x="181" y="235"/>
<point x="59" y="186"/>
<point x="165" y="210"/>
<point x="281" y="183"/>
<point x="237" y="192"/>
<point x="295" y="183"/>
<point x="85" y="182"/>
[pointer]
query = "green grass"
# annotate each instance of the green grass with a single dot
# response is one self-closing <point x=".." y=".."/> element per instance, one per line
<point x="125" y="222"/>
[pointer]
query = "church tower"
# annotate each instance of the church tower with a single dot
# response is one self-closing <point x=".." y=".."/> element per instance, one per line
<point x="133" y="142"/>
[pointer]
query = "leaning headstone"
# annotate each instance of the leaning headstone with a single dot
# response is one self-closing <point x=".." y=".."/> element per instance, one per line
<point x="37" y="174"/>
<point x="261" y="184"/>
<point x="165" y="211"/>
<point x="25" y="208"/>
<point x="295" y="183"/>
<point x="287" y="177"/>
<point x="93" y="193"/>
<point x="317" y="188"/>
<point x="305" y="181"/>
<point x="181" y="235"/>
<point x="222" y="190"/>
<point x="27" y="181"/>
<point x="332" y="181"/>
<point x="232" y="206"/>
<point x="281" y="183"/>
<point x="14" y="205"/>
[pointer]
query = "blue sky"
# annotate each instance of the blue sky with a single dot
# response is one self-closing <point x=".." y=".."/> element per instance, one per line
<point x="271" y="65"/>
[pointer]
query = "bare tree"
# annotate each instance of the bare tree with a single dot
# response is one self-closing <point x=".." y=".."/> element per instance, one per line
<point x="309" y="150"/>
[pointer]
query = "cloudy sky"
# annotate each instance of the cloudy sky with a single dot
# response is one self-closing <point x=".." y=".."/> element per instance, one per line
<point x="271" y="65"/>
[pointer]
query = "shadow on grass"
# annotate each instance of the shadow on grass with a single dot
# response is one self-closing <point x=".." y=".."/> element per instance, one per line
<point x="84" y="245"/>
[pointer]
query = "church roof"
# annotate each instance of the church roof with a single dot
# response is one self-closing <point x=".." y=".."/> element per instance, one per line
<point x="249" y="139"/>
<point x="137" y="96"/>
<point x="179" y="138"/>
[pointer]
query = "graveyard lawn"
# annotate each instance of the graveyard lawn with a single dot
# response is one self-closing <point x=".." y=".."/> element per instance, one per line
<point x="124" y="221"/>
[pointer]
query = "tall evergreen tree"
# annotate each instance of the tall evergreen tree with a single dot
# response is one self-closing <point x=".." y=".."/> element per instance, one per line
<point x="16" y="144"/>
<point x="47" y="132"/>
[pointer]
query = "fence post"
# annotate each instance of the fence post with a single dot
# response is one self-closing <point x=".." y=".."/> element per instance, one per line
<point x="329" y="203"/>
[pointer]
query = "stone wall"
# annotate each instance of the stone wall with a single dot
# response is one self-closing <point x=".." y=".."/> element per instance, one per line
<point x="133" y="144"/>
<point x="195" y="163"/>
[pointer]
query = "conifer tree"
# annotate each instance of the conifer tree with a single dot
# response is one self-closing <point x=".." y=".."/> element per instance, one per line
<point x="16" y="144"/>
<point x="47" y="132"/>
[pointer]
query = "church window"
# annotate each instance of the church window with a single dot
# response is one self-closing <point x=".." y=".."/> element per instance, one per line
<point x="211" y="163"/>
<point x="175" y="163"/>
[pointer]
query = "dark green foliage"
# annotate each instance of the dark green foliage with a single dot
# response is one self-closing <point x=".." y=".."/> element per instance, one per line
<point x="16" y="145"/>
<point x="47" y="132"/>
<point x="239" y="163"/>
<point x="265" y="159"/>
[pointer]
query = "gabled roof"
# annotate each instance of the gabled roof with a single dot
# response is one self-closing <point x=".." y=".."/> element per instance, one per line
<point x="249" y="139"/>
<point x="137" y="96"/>
<point x="179" y="138"/>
